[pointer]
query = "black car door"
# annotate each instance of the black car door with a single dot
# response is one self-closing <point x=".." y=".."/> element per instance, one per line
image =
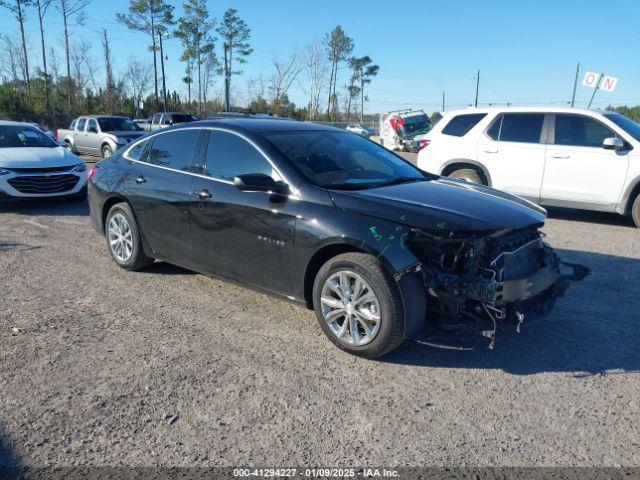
<point x="245" y="236"/>
<point x="159" y="187"/>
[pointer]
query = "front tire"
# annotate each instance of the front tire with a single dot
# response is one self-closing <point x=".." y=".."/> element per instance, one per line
<point x="123" y="238"/>
<point x="358" y="305"/>
<point x="106" y="151"/>
<point x="635" y="211"/>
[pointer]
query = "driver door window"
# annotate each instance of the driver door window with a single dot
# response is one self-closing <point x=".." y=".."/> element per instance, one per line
<point x="579" y="131"/>
<point x="229" y="155"/>
<point x="578" y="171"/>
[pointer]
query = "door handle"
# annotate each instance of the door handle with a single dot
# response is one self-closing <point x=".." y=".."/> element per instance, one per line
<point x="560" y="156"/>
<point x="203" y="194"/>
<point x="140" y="179"/>
<point x="491" y="151"/>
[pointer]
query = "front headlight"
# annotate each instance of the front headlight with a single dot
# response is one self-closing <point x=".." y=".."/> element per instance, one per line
<point x="80" y="168"/>
<point x="121" y="141"/>
<point x="4" y="171"/>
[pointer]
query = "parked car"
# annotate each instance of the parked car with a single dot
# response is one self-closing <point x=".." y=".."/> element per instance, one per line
<point x="565" y="157"/>
<point x="166" y="119"/>
<point x="99" y="134"/>
<point x="143" y="123"/>
<point x="358" y="129"/>
<point x="32" y="165"/>
<point x="404" y="130"/>
<point x="329" y="220"/>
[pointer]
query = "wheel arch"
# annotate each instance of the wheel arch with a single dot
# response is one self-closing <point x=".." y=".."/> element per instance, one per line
<point x="114" y="199"/>
<point x="319" y="258"/>
<point x="633" y="190"/>
<point x="457" y="163"/>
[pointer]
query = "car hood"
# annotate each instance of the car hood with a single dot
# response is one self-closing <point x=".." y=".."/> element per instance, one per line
<point x="442" y="205"/>
<point x="36" y="157"/>
<point x="126" y="134"/>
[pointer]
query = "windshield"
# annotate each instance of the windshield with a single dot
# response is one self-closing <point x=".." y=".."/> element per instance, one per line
<point x="115" y="124"/>
<point x="414" y="125"/>
<point x="628" y="125"/>
<point x="12" y="136"/>
<point x="342" y="160"/>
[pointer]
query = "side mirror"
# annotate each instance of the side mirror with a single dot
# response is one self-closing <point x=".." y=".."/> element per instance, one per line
<point x="612" y="143"/>
<point x="167" y="122"/>
<point x="259" y="182"/>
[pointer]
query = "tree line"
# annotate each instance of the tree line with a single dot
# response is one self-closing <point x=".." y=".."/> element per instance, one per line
<point x="56" y="87"/>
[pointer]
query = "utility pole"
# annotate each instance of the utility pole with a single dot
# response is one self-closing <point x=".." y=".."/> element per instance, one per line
<point x="575" y="84"/>
<point x="595" y="89"/>
<point x="477" y="87"/>
<point x="443" y="100"/>
<point x="164" y="84"/>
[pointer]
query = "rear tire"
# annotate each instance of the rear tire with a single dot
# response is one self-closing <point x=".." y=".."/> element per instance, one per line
<point x="123" y="238"/>
<point x="635" y="211"/>
<point x="370" y="302"/>
<point x="468" y="174"/>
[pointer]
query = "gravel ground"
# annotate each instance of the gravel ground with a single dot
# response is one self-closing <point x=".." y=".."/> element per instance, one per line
<point x="100" y="366"/>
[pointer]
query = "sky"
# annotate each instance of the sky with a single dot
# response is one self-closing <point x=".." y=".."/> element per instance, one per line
<point x="526" y="51"/>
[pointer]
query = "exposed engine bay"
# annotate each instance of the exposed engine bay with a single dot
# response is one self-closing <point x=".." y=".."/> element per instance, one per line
<point x="479" y="281"/>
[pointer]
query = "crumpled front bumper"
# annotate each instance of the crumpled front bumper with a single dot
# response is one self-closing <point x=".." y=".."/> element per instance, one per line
<point x="480" y="304"/>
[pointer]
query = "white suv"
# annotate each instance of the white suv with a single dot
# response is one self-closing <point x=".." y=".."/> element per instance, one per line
<point x="566" y="157"/>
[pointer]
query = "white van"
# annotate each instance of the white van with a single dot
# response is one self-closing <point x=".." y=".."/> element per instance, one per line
<point x="567" y="157"/>
<point x="404" y="130"/>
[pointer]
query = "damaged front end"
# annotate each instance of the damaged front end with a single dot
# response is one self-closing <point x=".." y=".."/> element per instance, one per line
<point x="482" y="280"/>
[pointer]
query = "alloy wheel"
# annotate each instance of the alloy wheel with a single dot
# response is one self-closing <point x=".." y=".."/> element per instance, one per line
<point x="351" y="308"/>
<point x="120" y="238"/>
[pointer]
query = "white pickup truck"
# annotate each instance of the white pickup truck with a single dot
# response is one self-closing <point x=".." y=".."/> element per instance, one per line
<point x="99" y="134"/>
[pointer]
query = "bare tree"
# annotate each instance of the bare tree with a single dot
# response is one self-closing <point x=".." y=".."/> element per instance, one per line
<point x="140" y="78"/>
<point x="107" y="65"/>
<point x="315" y="67"/>
<point x="41" y="7"/>
<point x="210" y="67"/>
<point x="286" y="73"/>
<point x="81" y="64"/>
<point x="18" y="8"/>
<point x="73" y="14"/>
<point x="10" y="60"/>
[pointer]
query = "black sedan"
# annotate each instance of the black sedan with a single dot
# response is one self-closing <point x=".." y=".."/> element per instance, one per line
<point x="316" y="215"/>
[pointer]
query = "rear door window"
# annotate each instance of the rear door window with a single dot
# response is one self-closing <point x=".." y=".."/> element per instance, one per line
<point x="156" y="118"/>
<point x="517" y="127"/>
<point x="229" y="155"/>
<point x="460" y="125"/>
<point x="580" y="131"/>
<point x="174" y="150"/>
<point x="81" y="124"/>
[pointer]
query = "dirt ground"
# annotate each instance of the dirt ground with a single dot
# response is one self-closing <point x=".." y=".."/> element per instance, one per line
<point x="100" y="366"/>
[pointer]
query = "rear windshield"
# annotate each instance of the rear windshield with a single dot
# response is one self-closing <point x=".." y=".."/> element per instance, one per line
<point x="115" y="124"/>
<point x="460" y="125"/>
<point x="13" y="136"/>
<point x="628" y="125"/>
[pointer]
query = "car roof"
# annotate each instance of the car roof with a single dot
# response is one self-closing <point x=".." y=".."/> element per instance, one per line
<point x="260" y="125"/>
<point x="15" y="124"/>
<point x="526" y="109"/>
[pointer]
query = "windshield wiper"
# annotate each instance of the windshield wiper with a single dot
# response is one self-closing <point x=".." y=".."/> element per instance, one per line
<point x="397" y="180"/>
